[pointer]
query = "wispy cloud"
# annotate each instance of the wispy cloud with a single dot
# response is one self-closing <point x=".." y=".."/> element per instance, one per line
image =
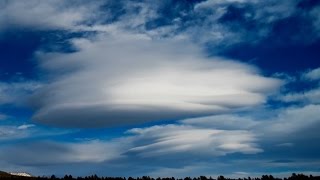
<point x="313" y="74"/>
<point x="12" y="132"/>
<point x="44" y="15"/>
<point x="174" y="139"/>
<point x="17" y="92"/>
<point x="25" y="126"/>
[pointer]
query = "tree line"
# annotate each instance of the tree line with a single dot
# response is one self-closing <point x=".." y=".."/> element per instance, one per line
<point x="95" y="177"/>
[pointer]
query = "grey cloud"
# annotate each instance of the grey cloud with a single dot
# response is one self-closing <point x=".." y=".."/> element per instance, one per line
<point x="51" y="153"/>
<point x="17" y="92"/>
<point x="12" y="132"/>
<point x="226" y="122"/>
<point x="26" y="131"/>
<point x="100" y="115"/>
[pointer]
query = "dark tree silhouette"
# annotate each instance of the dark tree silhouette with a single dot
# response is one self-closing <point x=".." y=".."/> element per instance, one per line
<point x="6" y="176"/>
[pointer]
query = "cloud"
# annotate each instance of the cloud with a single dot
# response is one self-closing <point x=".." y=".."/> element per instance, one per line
<point x="285" y="127"/>
<point x="286" y="121"/>
<point x="50" y="153"/>
<point x="167" y="146"/>
<point x="26" y="126"/>
<point x="196" y="143"/>
<point x="312" y="75"/>
<point x="8" y="132"/>
<point x="173" y="139"/>
<point x="204" y="22"/>
<point x="293" y="120"/>
<point x="226" y="122"/>
<point x="308" y="88"/>
<point x="16" y="92"/>
<point x="125" y="79"/>
<point x="239" y="21"/>
<point x="45" y="14"/>
<point x="309" y="97"/>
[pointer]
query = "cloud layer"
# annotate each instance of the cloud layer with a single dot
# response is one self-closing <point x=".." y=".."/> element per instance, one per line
<point x="161" y="146"/>
<point x="199" y="143"/>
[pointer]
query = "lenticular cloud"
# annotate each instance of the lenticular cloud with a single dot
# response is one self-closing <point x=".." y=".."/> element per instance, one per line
<point x="126" y="79"/>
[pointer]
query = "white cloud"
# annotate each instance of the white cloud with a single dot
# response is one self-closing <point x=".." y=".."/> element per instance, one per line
<point x="50" y="14"/>
<point x="313" y="74"/>
<point x="309" y="97"/>
<point x="25" y="126"/>
<point x="291" y="124"/>
<point x="123" y="78"/>
<point x="292" y="120"/>
<point x="175" y="139"/>
<point x="283" y="127"/>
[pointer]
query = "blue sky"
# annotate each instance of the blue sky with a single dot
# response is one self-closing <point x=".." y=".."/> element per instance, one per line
<point x="160" y="88"/>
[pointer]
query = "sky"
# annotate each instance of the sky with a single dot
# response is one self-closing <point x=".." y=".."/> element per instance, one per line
<point x="160" y="88"/>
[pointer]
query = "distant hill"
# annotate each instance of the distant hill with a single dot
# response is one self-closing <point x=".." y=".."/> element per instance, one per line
<point x="4" y="174"/>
